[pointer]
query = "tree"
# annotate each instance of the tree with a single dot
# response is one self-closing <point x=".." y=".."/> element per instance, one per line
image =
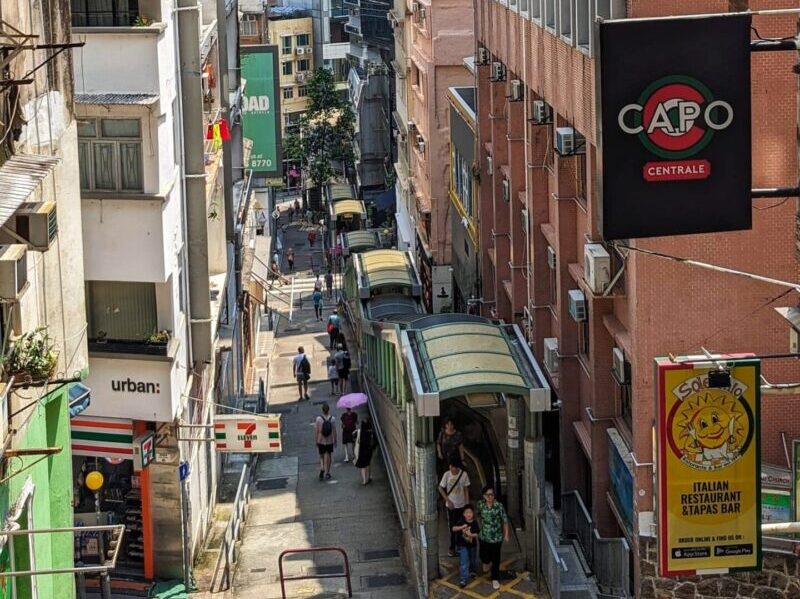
<point x="325" y="132"/>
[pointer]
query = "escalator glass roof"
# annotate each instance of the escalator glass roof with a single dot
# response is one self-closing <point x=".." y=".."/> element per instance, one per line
<point x="385" y="268"/>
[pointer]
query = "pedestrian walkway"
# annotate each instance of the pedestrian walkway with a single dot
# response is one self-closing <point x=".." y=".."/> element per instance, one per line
<point x="447" y="587"/>
<point x="290" y="506"/>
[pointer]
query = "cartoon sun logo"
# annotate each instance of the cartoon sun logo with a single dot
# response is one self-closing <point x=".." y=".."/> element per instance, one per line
<point x="710" y="430"/>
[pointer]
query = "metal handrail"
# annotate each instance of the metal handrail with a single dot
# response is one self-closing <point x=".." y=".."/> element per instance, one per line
<point x="233" y="532"/>
<point x="286" y="552"/>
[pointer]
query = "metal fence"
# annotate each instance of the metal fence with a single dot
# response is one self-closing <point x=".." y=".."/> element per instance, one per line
<point x="552" y="564"/>
<point x="233" y="532"/>
<point x="577" y="523"/>
<point x="611" y="564"/>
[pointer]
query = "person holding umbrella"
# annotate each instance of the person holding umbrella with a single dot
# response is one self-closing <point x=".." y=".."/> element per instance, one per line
<point x="349" y="421"/>
<point x="366" y="442"/>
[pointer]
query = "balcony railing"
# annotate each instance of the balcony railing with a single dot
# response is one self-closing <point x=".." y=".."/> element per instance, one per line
<point x="127" y="346"/>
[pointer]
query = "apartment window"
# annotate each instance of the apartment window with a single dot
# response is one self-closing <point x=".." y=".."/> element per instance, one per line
<point x="301" y="40"/>
<point x="550" y="14"/>
<point x="286" y="68"/>
<point x="536" y="9"/>
<point x="303" y="65"/>
<point x="288" y="93"/>
<point x="302" y="91"/>
<point x="104" y="13"/>
<point x="583" y="22"/>
<point x="565" y="19"/>
<point x="523" y="6"/>
<point x="110" y="154"/>
<point x="248" y="25"/>
<point x="611" y="9"/>
<point x="121" y="311"/>
<point x="623" y="396"/>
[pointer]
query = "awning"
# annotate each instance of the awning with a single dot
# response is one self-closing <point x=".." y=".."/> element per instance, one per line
<point x="348" y="207"/>
<point x="385" y="268"/>
<point x="102" y="437"/>
<point x="79" y="399"/>
<point x="20" y="175"/>
<point x="358" y="241"/>
<point x="388" y="306"/>
<point x="340" y="191"/>
<point x="455" y="355"/>
<point x="116" y="99"/>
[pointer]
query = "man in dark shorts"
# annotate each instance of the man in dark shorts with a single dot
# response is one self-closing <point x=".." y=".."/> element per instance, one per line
<point x="341" y="360"/>
<point x="325" y="439"/>
<point x="349" y="421"/>
<point x="301" y="368"/>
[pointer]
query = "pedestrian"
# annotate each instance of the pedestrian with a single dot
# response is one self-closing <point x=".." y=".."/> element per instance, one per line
<point x="316" y="296"/>
<point x="297" y="208"/>
<point x="333" y="330"/>
<point x="309" y="216"/>
<point x="333" y="377"/>
<point x="291" y="212"/>
<point x="366" y="442"/>
<point x="290" y="259"/>
<point x="349" y="421"/>
<point x="450" y="443"/>
<point x="329" y="282"/>
<point x="276" y="258"/>
<point x="454" y="489"/>
<point x="301" y="368"/>
<point x="467" y="530"/>
<point x="340" y="359"/>
<point x="312" y="237"/>
<point x="317" y="284"/>
<point x="325" y="438"/>
<point x="494" y="530"/>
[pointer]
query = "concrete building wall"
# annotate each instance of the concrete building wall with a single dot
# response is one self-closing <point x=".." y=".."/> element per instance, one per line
<point x="278" y="29"/>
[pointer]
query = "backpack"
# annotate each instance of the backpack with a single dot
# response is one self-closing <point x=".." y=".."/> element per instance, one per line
<point x="305" y="366"/>
<point x="327" y="427"/>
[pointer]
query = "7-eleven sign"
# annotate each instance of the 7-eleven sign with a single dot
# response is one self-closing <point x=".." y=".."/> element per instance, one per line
<point x="246" y="433"/>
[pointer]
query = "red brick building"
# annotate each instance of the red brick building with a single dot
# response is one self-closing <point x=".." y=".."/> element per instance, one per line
<point x="538" y="213"/>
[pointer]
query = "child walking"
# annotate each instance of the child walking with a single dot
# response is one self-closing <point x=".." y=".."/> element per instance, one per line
<point x="333" y="377"/>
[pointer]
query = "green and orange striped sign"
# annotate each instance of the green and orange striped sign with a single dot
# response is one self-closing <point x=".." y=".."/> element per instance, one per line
<point x="102" y="437"/>
<point x="246" y="433"/>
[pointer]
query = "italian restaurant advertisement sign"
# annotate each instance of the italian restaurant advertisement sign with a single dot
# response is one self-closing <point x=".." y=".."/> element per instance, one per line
<point x="709" y="485"/>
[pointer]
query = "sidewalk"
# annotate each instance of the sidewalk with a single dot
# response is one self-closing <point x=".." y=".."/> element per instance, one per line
<point x="290" y="507"/>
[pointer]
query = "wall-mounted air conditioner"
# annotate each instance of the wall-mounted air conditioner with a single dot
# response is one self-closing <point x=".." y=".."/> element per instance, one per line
<point x="412" y="126"/>
<point x="577" y="305"/>
<point x="621" y="369"/>
<point x="498" y="71"/>
<point x="300" y="77"/>
<point x="515" y="90"/>
<point x="36" y="223"/>
<point x="569" y="141"/>
<point x="551" y="257"/>
<point x="13" y="271"/>
<point x="300" y="51"/>
<point x="482" y="57"/>
<point x="506" y="190"/>
<point x="596" y="267"/>
<point x="421" y="144"/>
<point x="551" y="354"/>
<point x="540" y="112"/>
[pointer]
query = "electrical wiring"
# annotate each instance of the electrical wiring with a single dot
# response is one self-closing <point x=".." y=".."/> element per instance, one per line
<point x="771" y="39"/>
<point x="780" y="203"/>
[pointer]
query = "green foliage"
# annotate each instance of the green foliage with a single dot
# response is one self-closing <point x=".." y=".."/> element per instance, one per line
<point x="325" y="133"/>
<point x="158" y="337"/>
<point x="32" y="354"/>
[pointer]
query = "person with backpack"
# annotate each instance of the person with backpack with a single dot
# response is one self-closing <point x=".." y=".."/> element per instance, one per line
<point x="454" y="489"/>
<point x="325" y="439"/>
<point x="301" y="368"/>
<point x="366" y="442"/>
<point x="317" y="298"/>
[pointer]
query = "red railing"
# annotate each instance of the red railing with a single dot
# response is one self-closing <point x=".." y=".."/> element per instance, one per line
<point x="345" y="575"/>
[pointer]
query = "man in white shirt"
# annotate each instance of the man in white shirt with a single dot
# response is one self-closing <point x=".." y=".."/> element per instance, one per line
<point x="454" y="488"/>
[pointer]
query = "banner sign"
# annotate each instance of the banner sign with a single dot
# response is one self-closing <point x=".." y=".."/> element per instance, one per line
<point x="674" y="140"/>
<point x="110" y="438"/>
<point x="709" y="485"/>
<point x="261" y="113"/>
<point x="247" y="433"/>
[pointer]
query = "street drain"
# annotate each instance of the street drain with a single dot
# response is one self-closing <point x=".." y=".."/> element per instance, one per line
<point x="321" y="570"/>
<point x="382" y="580"/>
<point x="271" y="484"/>
<point x="377" y="554"/>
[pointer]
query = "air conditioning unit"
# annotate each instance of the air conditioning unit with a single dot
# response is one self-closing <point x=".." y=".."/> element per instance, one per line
<point x="515" y="90"/>
<point x="482" y="57"/>
<point x="577" y="305"/>
<point x="300" y="77"/>
<point x="506" y="190"/>
<point x="415" y="8"/>
<point x="523" y="215"/>
<point x="498" y="71"/>
<point x="551" y="257"/>
<point x="421" y="144"/>
<point x="596" y="267"/>
<point x="569" y="141"/>
<point x="489" y="165"/>
<point x="13" y="271"/>
<point x="300" y="51"/>
<point x="308" y="49"/>
<point x="412" y="126"/>
<point x="36" y="222"/>
<point x="551" y="354"/>
<point x="620" y="368"/>
<point x="540" y="112"/>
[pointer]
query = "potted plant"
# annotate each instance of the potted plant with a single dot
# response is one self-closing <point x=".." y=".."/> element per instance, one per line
<point x="158" y="338"/>
<point x="32" y="356"/>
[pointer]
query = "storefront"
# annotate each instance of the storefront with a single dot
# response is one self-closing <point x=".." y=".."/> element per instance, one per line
<point x="121" y="451"/>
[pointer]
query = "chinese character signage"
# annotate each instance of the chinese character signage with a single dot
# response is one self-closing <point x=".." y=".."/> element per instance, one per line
<point x="674" y="141"/>
<point x="247" y="433"/>
<point x="261" y="109"/>
<point x="709" y="485"/>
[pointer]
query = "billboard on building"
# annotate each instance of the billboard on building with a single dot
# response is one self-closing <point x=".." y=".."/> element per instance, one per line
<point x="247" y="433"/>
<point x="674" y="151"/>
<point x="261" y="111"/>
<point x="709" y="482"/>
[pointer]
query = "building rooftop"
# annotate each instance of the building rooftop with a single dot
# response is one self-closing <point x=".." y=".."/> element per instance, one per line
<point x="120" y="99"/>
<point x="277" y="13"/>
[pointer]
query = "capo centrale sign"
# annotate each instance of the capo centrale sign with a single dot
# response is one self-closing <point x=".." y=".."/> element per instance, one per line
<point x="709" y="485"/>
<point x="247" y="433"/>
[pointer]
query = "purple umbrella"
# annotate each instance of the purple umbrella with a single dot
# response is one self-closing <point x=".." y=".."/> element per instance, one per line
<point x="352" y="400"/>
